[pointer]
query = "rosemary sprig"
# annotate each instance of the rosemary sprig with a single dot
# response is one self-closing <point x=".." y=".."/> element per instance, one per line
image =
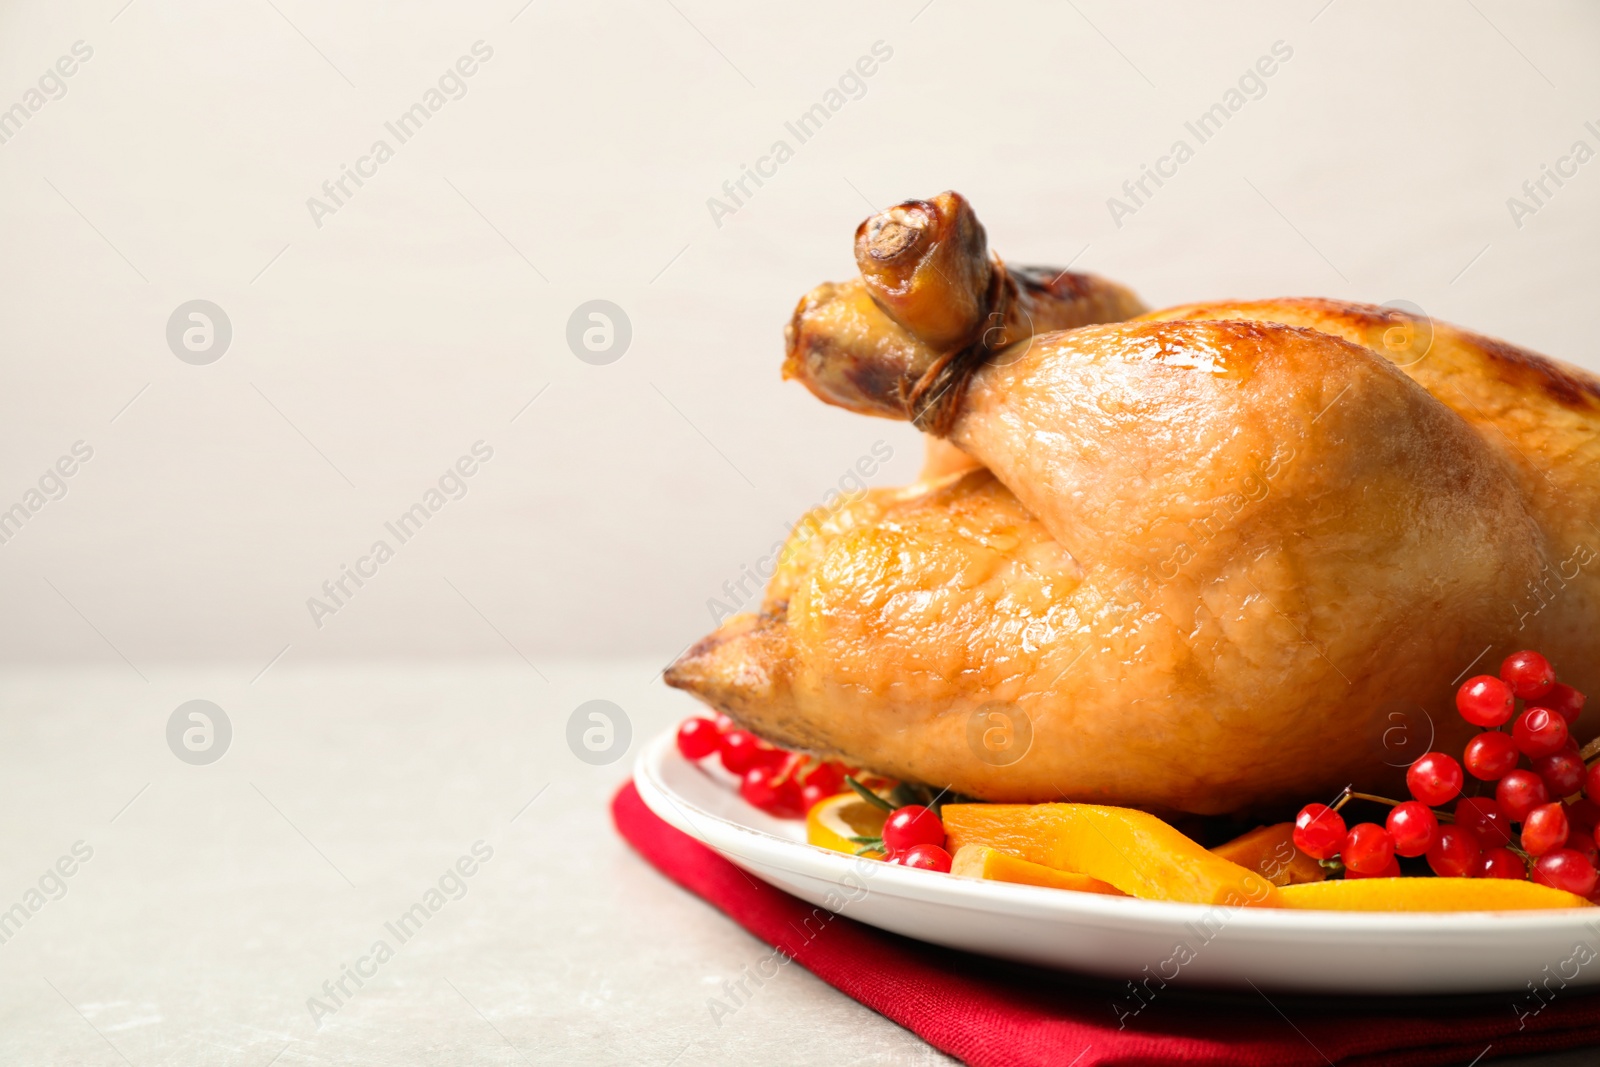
<point x="868" y="844"/>
<point x="904" y="794"/>
<point x="868" y="795"/>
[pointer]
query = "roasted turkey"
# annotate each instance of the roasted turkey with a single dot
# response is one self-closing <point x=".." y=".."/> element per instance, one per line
<point x="1205" y="560"/>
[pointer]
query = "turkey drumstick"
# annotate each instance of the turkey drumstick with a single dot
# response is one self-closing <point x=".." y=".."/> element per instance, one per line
<point x="929" y="295"/>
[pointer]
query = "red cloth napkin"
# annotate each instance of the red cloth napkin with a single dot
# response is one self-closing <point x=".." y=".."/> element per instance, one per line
<point x="992" y="1014"/>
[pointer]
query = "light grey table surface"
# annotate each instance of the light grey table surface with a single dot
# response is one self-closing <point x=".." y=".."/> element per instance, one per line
<point x="219" y="898"/>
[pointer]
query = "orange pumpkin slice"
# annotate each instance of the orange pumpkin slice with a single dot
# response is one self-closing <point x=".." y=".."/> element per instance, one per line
<point x="1132" y="850"/>
<point x="1270" y="852"/>
<point x="979" y="861"/>
<point x="1426" y="894"/>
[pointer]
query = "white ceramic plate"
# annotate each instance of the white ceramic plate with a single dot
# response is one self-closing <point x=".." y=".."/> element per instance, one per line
<point x="1118" y="937"/>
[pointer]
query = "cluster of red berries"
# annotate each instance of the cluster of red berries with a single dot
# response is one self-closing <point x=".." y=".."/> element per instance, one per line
<point x="913" y="836"/>
<point x="789" y="784"/>
<point x="1554" y="798"/>
<point x="781" y="783"/>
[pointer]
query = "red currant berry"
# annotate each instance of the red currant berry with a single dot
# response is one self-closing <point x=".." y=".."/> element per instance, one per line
<point x="790" y="789"/>
<point x="1544" y="829"/>
<point x="791" y="801"/>
<point x="760" y="789"/>
<point x="912" y="825"/>
<point x="1529" y="674"/>
<point x="1454" y="852"/>
<point x="1519" y="793"/>
<point x="1562" y="772"/>
<point x="740" y="751"/>
<point x="1582" y="841"/>
<point x="1412" y="825"/>
<point x="1583" y="814"/>
<point x="698" y="738"/>
<point x="1591" y="784"/>
<point x="1319" y="831"/>
<point x="1566" y="869"/>
<point x="1434" y="779"/>
<point x="1491" y="756"/>
<point x="1501" y="863"/>
<point x="724" y="724"/>
<point x="1368" y="849"/>
<point x="1485" y="820"/>
<point x="1539" y="732"/>
<point x="1565" y="699"/>
<point x="1485" y="701"/>
<point x="826" y="775"/>
<point x="925" y="857"/>
<point x="1390" y="871"/>
<point x="811" y="796"/>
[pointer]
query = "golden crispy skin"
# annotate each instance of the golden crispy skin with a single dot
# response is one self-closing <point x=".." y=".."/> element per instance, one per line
<point x="940" y="457"/>
<point x="1227" y="548"/>
<point x="1540" y="415"/>
<point x="878" y="607"/>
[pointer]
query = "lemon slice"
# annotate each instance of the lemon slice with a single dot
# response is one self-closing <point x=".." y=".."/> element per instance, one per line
<point x="833" y="822"/>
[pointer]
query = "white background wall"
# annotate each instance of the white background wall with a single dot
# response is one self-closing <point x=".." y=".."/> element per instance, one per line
<point x="370" y="352"/>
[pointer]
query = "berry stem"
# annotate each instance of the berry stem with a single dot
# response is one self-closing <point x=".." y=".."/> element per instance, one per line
<point x="1590" y="751"/>
<point x="1350" y="794"/>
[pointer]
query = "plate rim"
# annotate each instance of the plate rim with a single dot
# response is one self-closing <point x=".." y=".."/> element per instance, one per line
<point x="1038" y="902"/>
